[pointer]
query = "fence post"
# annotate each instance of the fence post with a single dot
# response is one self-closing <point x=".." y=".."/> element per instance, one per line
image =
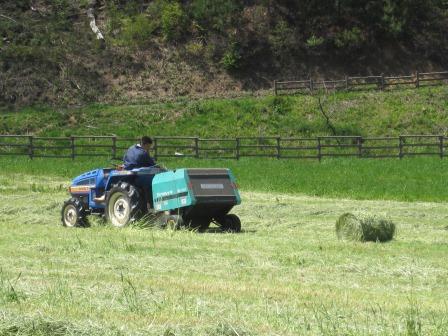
<point x="400" y="147"/>
<point x="72" y="145"/>
<point x="196" y="147"/>
<point x="319" y="150"/>
<point x="359" y="139"/>
<point x="346" y="83"/>
<point x="275" y="87"/>
<point x="311" y="84"/>
<point x="441" y="146"/>
<point x="237" y="148"/>
<point x="278" y="147"/>
<point x="417" y="79"/>
<point x="30" y="147"/>
<point x="156" y="154"/>
<point x="114" y="147"/>
<point x="382" y="82"/>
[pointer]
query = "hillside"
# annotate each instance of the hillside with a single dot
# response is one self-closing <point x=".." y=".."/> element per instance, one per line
<point x="166" y="48"/>
<point x="412" y="111"/>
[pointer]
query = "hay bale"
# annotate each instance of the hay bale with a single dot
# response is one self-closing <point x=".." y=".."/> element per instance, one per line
<point x="364" y="227"/>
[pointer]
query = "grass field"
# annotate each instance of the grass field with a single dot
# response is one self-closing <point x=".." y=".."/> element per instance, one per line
<point x="368" y="113"/>
<point x="410" y="179"/>
<point x="285" y="274"/>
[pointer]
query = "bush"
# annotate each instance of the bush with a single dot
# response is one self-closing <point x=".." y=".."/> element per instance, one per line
<point x="282" y="39"/>
<point x="217" y="14"/>
<point x="172" y="21"/>
<point x="169" y="17"/>
<point x="349" y="38"/>
<point x="61" y="13"/>
<point x="231" y="58"/>
<point x="279" y="105"/>
<point x="314" y="41"/>
<point x="114" y="19"/>
<point x="194" y="48"/>
<point x="137" y="30"/>
<point x="391" y="19"/>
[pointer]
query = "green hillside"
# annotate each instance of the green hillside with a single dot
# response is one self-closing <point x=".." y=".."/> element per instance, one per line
<point x="422" y="111"/>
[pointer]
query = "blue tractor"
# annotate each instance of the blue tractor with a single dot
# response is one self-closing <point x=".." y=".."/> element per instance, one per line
<point x="184" y="197"/>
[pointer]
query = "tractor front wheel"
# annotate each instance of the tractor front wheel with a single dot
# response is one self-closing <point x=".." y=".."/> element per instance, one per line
<point x="73" y="213"/>
<point x="124" y="205"/>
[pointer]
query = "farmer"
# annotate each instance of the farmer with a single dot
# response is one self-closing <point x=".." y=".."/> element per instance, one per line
<point x="137" y="156"/>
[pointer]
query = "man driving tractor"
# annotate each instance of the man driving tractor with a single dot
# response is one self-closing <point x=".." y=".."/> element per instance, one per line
<point x="137" y="156"/>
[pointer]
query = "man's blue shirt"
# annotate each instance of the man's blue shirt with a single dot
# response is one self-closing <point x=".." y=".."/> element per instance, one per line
<point x="137" y="157"/>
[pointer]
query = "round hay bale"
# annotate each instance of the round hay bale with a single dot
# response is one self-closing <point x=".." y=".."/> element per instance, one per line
<point x="348" y="227"/>
<point x="364" y="227"/>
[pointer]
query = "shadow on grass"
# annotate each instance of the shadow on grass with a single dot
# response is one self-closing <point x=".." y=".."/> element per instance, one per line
<point x="218" y="230"/>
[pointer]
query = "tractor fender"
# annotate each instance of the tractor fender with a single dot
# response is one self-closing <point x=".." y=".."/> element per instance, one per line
<point x="114" y="179"/>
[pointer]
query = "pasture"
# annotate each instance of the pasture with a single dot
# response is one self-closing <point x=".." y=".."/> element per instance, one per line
<point x="285" y="274"/>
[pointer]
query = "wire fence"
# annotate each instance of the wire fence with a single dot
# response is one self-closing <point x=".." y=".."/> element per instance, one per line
<point x="218" y="148"/>
<point x="380" y="82"/>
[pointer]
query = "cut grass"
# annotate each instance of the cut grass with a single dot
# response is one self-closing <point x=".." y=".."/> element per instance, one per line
<point x="285" y="274"/>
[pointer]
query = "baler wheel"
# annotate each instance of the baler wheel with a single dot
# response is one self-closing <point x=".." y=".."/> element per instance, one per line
<point x="173" y="222"/>
<point x="73" y="214"/>
<point x="123" y="205"/>
<point x="200" y="224"/>
<point x="230" y="223"/>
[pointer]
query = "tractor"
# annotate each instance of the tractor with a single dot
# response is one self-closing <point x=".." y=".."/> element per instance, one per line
<point x="186" y="197"/>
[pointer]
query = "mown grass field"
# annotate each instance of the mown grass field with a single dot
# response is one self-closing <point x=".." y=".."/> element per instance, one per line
<point x="286" y="274"/>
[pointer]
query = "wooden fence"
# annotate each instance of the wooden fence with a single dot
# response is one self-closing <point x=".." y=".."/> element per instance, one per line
<point x="272" y="147"/>
<point x="381" y="82"/>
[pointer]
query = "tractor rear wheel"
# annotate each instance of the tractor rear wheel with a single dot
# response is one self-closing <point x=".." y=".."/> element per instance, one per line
<point x="124" y="205"/>
<point x="230" y="223"/>
<point x="73" y="213"/>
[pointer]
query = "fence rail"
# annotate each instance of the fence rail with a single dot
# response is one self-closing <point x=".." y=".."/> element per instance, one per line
<point x="380" y="82"/>
<point x="215" y="148"/>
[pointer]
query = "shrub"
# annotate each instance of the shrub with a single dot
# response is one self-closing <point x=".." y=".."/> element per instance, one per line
<point x="194" y="48"/>
<point x="349" y="38"/>
<point x="279" y="105"/>
<point x="137" y="30"/>
<point x="114" y="18"/>
<point x="231" y="58"/>
<point x="314" y="41"/>
<point x="393" y="22"/>
<point x="282" y="39"/>
<point x="61" y="13"/>
<point x="172" y="20"/>
<point x="169" y="17"/>
<point x="217" y="14"/>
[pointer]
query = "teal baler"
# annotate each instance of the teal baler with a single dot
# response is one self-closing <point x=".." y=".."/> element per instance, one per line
<point x="198" y="197"/>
